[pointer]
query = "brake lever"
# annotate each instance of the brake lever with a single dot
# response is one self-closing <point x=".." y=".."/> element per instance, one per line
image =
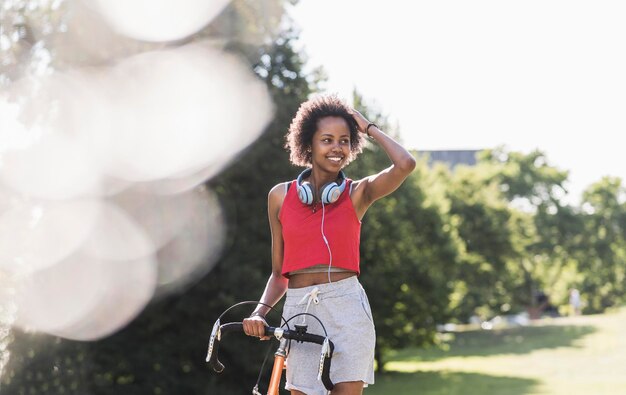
<point x="324" y="354"/>
<point x="214" y="333"/>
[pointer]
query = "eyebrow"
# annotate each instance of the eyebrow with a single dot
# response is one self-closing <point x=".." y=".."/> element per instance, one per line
<point x="332" y="135"/>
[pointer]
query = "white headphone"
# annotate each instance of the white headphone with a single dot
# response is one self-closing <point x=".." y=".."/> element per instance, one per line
<point x="330" y="191"/>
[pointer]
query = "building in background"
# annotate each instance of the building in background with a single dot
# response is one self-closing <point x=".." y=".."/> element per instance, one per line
<point x="451" y="158"/>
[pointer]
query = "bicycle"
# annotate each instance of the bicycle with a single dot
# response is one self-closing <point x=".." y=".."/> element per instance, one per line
<point x="284" y="336"/>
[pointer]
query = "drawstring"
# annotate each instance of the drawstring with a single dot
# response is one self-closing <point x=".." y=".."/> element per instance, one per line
<point x="308" y="298"/>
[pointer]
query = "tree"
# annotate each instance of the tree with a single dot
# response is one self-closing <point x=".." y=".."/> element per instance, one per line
<point x="602" y="254"/>
<point x="484" y="277"/>
<point x="536" y="189"/>
<point x="526" y="176"/>
<point x="405" y="254"/>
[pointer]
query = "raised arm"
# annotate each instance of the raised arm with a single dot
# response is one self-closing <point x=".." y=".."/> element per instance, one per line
<point x="371" y="188"/>
<point x="277" y="284"/>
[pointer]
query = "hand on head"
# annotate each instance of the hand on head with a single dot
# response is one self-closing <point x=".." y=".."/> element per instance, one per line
<point x="361" y="121"/>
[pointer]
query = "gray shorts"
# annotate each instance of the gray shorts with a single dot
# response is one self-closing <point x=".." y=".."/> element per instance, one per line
<point x="345" y="312"/>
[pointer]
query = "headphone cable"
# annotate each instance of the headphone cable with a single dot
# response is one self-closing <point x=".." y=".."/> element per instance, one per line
<point x="330" y="254"/>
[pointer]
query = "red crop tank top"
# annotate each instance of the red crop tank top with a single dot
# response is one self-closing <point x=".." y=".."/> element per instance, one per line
<point x="302" y="236"/>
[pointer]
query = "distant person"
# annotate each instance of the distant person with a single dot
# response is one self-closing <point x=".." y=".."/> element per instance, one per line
<point x="544" y="306"/>
<point x="574" y="301"/>
<point x="315" y="223"/>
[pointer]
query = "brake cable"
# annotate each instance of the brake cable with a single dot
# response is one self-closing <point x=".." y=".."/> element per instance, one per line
<point x="284" y="323"/>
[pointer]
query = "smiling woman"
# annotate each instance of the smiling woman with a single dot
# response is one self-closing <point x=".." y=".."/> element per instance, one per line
<point x="334" y="120"/>
<point x="315" y="223"/>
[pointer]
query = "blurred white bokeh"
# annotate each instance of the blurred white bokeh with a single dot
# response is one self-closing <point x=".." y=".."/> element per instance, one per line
<point x="116" y="236"/>
<point x="194" y="215"/>
<point x="36" y="235"/>
<point x="172" y="114"/>
<point x="53" y="167"/>
<point x="158" y="20"/>
<point x="178" y="111"/>
<point x="195" y="248"/>
<point x="84" y="297"/>
<point x="92" y="265"/>
<point x="102" y="170"/>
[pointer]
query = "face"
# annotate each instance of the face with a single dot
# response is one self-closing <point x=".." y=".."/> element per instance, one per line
<point x="331" y="143"/>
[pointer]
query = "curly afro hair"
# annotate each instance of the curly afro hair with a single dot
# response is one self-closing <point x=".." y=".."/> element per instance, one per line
<point x="299" y="138"/>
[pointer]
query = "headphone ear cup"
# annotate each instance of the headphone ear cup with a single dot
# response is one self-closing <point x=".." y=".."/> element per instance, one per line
<point x="305" y="193"/>
<point x="331" y="193"/>
<point x="332" y="190"/>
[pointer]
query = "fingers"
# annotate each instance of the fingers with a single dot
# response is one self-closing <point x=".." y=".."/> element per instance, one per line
<point x="255" y="326"/>
<point x="361" y="121"/>
<point x="355" y="113"/>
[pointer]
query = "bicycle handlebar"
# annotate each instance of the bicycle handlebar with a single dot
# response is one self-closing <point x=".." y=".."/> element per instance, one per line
<point x="299" y="336"/>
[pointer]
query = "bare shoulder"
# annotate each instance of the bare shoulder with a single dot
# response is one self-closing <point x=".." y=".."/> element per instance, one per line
<point x="279" y="191"/>
<point x="276" y="196"/>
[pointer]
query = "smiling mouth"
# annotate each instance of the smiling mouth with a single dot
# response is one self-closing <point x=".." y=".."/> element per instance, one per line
<point x="335" y="159"/>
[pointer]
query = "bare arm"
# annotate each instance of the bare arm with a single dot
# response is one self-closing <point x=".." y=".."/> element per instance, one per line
<point x="277" y="284"/>
<point x="376" y="186"/>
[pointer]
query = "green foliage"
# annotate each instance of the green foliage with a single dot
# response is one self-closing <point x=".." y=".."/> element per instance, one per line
<point x="526" y="175"/>
<point x="483" y="221"/>
<point x="603" y="247"/>
<point x="551" y="231"/>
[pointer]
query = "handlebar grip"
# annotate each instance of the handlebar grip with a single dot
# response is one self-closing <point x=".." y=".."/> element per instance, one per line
<point x="232" y="327"/>
<point x="214" y="362"/>
<point x="326" y="369"/>
<point x="306" y="337"/>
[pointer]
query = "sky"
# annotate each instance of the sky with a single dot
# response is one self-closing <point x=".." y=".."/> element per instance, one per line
<point x="545" y="75"/>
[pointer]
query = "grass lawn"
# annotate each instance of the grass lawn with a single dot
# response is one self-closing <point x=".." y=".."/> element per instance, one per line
<point x="564" y="356"/>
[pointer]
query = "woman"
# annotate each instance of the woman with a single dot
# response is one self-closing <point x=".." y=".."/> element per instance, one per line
<point x="315" y="223"/>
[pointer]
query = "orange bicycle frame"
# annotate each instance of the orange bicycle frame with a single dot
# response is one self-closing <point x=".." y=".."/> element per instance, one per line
<point x="277" y="370"/>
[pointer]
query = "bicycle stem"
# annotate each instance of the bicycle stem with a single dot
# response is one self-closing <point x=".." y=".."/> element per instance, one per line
<point x="277" y="370"/>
